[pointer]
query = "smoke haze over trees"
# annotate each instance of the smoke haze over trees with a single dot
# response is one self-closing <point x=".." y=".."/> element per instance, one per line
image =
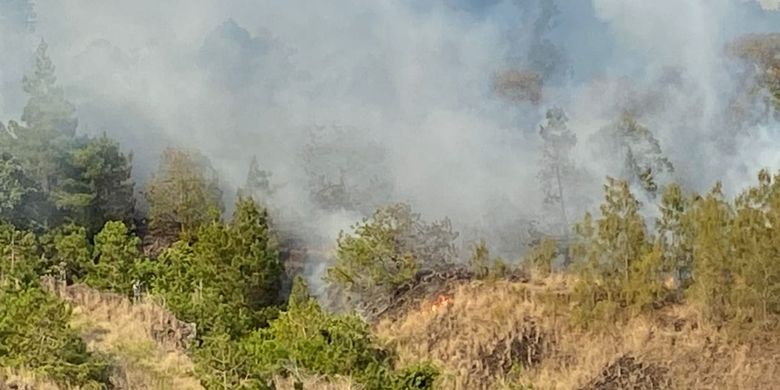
<point x="415" y="83"/>
<point x="244" y="161"/>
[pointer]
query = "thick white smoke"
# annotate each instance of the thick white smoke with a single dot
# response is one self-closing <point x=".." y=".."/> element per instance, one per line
<point x="246" y="78"/>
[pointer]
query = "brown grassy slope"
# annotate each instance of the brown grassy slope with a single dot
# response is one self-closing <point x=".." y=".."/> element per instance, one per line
<point x="485" y="329"/>
<point x="314" y="382"/>
<point x="23" y="380"/>
<point x="144" y="340"/>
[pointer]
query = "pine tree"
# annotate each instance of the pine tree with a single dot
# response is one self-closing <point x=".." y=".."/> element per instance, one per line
<point x="42" y="145"/>
<point x="47" y="109"/>
<point x="479" y="263"/>
<point x="118" y="259"/>
<point x="18" y="257"/>
<point x="35" y="335"/>
<point x="542" y="255"/>
<point x="617" y="264"/>
<point x="300" y="292"/>
<point x="72" y="257"/>
<point x="557" y="167"/>
<point x="22" y="202"/>
<point x="644" y="161"/>
<point x="388" y="249"/>
<point x="257" y="256"/>
<point x="621" y="229"/>
<point x="711" y="222"/>
<point x="228" y="279"/>
<point x="183" y="195"/>
<point x="40" y="153"/>
<point x="258" y="184"/>
<point x="674" y="235"/>
<point x="96" y="184"/>
<point x="755" y="240"/>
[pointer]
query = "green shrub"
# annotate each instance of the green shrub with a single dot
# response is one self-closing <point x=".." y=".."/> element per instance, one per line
<point x="34" y="334"/>
<point x="228" y="280"/>
<point x="118" y="259"/>
<point x="388" y="249"/>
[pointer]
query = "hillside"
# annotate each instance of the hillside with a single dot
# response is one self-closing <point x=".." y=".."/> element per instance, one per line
<point x="455" y="194"/>
<point x="491" y="334"/>
<point x="511" y="335"/>
<point x="145" y="343"/>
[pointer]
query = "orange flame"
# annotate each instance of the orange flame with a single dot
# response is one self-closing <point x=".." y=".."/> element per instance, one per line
<point x="441" y="302"/>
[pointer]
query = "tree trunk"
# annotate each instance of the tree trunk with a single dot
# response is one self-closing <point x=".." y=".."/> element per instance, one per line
<point x="562" y="202"/>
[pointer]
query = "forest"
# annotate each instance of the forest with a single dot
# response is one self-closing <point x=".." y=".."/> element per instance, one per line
<point x="619" y="273"/>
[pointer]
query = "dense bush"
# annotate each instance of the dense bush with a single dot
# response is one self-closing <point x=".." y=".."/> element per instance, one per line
<point x="34" y="330"/>
<point x="118" y="260"/>
<point x="306" y="339"/>
<point x="388" y="249"/>
<point x="183" y="195"/>
<point x="721" y="255"/>
<point x="228" y="279"/>
<point x="35" y="335"/>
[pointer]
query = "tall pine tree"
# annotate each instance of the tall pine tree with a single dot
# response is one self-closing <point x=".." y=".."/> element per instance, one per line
<point x="643" y="160"/>
<point x="183" y="195"/>
<point x="47" y="109"/>
<point x="557" y="167"/>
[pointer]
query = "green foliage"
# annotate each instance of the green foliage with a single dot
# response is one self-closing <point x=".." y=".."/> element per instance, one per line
<point x="96" y="186"/>
<point x="34" y="334"/>
<point x="759" y="54"/>
<point x="618" y="265"/>
<point x="722" y="255"/>
<point x="228" y="280"/>
<point x="47" y="109"/>
<point x="674" y="235"/>
<point x="18" y="257"/>
<point x="71" y="259"/>
<point x="299" y="295"/>
<point x="183" y="195"/>
<point x="388" y="249"/>
<point x="223" y="363"/>
<point x="712" y="218"/>
<point x="644" y="161"/>
<point x="421" y="376"/>
<point x="542" y="255"/>
<point x="40" y="154"/>
<point x="756" y="243"/>
<point x="14" y="186"/>
<point x="118" y="260"/>
<point x="21" y="200"/>
<point x="483" y="266"/>
<point x="53" y="176"/>
<point x="309" y="340"/>
<point x="41" y="147"/>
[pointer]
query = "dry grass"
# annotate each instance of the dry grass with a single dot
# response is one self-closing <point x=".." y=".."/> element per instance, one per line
<point x="512" y="335"/>
<point x="313" y="382"/>
<point x="476" y="335"/>
<point x="483" y="334"/>
<point x="143" y="339"/>
<point x="24" y="380"/>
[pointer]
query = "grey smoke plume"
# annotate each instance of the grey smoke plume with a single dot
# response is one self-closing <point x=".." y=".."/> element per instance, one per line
<point x="414" y="84"/>
<point x="769" y="4"/>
